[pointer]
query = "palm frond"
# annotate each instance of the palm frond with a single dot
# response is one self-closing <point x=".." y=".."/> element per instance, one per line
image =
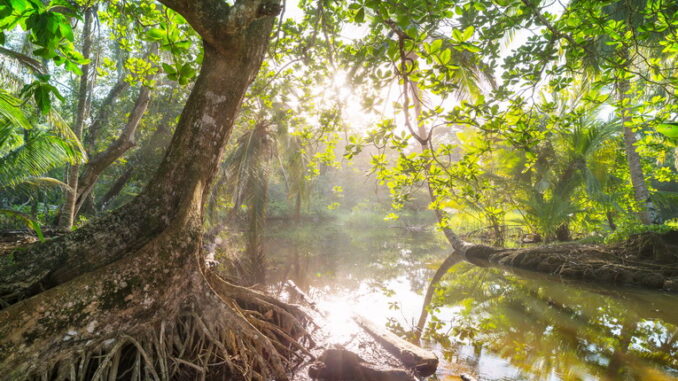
<point x="30" y="223"/>
<point x="63" y="129"/>
<point x="42" y="182"/>
<point x="40" y="153"/>
<point x="11" y="109"/>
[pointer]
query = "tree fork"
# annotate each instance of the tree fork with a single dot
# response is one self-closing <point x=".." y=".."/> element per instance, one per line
<point x="138" y="266"/>
<point x="188" y="167"/>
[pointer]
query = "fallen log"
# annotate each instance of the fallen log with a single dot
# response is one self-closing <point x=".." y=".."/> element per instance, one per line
<point x="339" y="364"/>
<point x="422" y="361"/>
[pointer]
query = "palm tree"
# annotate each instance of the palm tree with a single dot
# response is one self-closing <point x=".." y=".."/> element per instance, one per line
<point x="599" y="52"/>
<point x="29" y="150"/>
<point x="567" y="161"/>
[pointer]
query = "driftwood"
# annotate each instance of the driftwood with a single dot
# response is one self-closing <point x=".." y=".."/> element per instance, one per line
<point x="338" y="364"/>
<point x="423" y="362"/>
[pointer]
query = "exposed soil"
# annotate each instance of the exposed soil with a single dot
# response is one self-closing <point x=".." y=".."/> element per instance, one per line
<point x="647" y="260"/>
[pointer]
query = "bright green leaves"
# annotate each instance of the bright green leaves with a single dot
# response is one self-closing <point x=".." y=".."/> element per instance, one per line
<point x="443" y="57"/>
<point x="170" y="35"/>
<point x="434" y="46"/>
<point x="48" y="27"/>
<point x="140" y="25"/>
<point x="141" y="70"/>
<point x="669" y="130"/>
<point x="10" y="110"/>
<point x="462" y="36"/>
<point x="42" y="91"/>
<point x="354" y="147"/>
<point x="358" y="13"/>
<point x="183" y="74"/>
<point x="51" y="34"/>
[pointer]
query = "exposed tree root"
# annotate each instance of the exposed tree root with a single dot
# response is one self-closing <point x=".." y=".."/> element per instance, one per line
<point x="647" y="260"/>
<point x="211" y="338"/>
<point x="155" y="315"/>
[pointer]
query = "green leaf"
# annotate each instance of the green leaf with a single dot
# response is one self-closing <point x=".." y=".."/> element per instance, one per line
<point x="156" y="33"/>
<point x="35" y="226"/>
<point x="360" y="16"/>
<point x="169" y="69"/>
<point x="445" y="56"/>
<point x="436" y="45"/>
<point x="187" y="71"/>
<point x="30" y="223"/>
<point x="468" y="33"/>
<point x="668" y="129"/>
<point x="470" y="47"/>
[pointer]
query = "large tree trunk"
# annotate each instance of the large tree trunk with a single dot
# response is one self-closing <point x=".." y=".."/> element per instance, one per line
<point x="131" y="280"/>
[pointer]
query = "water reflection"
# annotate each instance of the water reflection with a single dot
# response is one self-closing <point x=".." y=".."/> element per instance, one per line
<point x="503" y="325"/>
<point x="551" y="330"/>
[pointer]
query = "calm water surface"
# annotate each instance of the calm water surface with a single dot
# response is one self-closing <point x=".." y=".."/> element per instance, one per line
<point x="494" y="324"/>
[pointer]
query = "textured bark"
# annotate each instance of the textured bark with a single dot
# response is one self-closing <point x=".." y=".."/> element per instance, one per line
<point x="187" y="169"/>
<point x="98" y="163"/>
<point x="139" y="264"/>
<point x="100" y="304"/>
<point x="421" y="361"/>
<point x="68" y="210"/>
<point x="647" y="260"/>
<point x="338" y="364"/>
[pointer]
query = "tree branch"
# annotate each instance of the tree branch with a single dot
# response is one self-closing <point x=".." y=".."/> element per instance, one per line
<point x="103" y="160"/>
<point x="215" y="19"/>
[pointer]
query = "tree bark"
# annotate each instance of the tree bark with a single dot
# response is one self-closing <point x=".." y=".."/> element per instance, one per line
<point x="187" y="170"/>
<point x="140" y="265"/>
<point x="68" y="210"/>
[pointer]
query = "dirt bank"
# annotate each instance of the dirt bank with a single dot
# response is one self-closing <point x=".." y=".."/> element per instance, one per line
<point x="647" y="260"/>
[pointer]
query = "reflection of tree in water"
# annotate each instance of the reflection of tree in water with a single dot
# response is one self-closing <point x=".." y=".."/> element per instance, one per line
<point x="340" y="257"/>
<point x="547" y="328"/>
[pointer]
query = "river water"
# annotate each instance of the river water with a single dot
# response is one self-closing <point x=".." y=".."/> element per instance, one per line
<point x="491" y="323"/>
